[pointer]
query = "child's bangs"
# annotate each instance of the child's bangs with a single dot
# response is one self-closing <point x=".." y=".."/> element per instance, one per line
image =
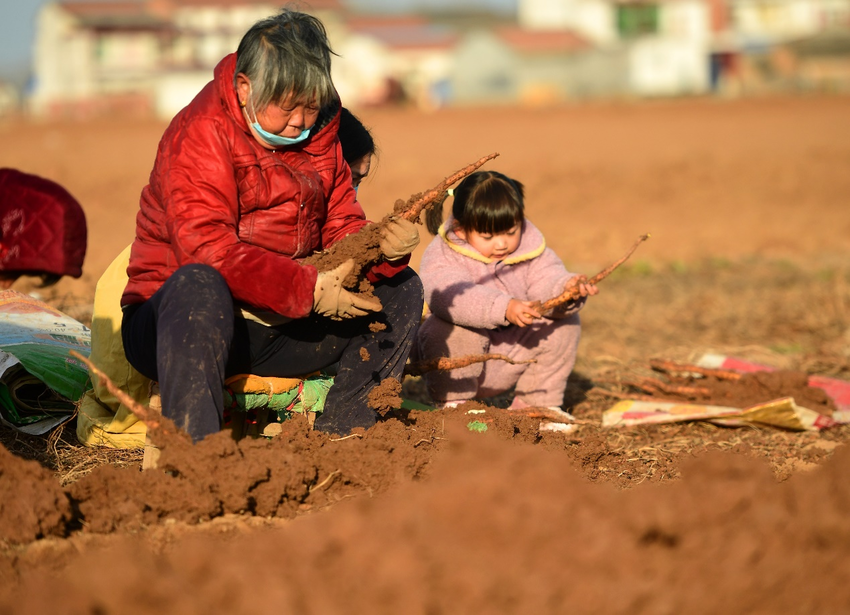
<point x="502" y="214"/>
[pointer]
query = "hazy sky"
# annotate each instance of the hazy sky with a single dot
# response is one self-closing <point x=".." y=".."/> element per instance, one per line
<point x="17" y="24"/>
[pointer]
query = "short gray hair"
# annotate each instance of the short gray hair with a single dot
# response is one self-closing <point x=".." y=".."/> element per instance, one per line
<point x="287" y="54"/>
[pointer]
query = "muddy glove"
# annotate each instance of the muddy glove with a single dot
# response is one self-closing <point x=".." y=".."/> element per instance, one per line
<point x="399" y="238"/>
<point x="330" y="299"/>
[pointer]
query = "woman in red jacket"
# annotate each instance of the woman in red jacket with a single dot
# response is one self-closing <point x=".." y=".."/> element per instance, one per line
<point x="248" y="180"/>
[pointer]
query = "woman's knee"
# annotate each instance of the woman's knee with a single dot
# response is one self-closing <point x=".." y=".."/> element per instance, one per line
<point x="198" y="278"/>
<point x="199" y="291"/>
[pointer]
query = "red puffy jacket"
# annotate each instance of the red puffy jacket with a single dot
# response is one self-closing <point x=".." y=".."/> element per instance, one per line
<point x="217" y="197"/>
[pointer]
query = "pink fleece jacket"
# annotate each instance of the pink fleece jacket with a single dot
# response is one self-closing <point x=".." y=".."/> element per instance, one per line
<point x="468" y="294"/>
<point x="468" y="289"/>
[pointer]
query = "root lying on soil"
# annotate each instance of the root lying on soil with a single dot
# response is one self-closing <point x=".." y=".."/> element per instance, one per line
<point x="654" y="386"/>
<point x="446" y="363"/>
<point x="715" y="387"/>
<point x="672" y="369"/>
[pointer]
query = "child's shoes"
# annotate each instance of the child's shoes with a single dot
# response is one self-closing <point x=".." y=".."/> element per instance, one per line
<point x="566" y="416"/>
<point x="454" y="403"/>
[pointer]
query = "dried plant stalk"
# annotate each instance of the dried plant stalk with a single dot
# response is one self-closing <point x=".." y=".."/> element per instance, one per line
<point x="663" y="365"/>
<point x="572" y="293"/>
<point x="447" y="363"/>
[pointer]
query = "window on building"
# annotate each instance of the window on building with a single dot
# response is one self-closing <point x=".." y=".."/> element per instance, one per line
<point x="637" y="19"/>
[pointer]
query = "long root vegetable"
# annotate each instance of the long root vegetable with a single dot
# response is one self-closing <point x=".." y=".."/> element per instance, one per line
<point x="671" y="367"/>
<point x="597" y="391"/>
<point x="447" y="363"/>
<point x="654" y="386"/>
<point x="364" y="245"/>
<point x="418" y="203"/>
<point x="572" y="292"/>
<point x="549" y="414"/>
<point x="160" y="429"/>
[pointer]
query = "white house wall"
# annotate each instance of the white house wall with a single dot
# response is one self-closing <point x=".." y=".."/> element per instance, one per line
<point x="544" y="14"/>
<point x="600" y="73"/>
<point x="668" y="67"/>
<point x="485" y="70"/>
<point x="688" y="19"/>
<point x="175" y="90"/>
<point x="207" y="34"/>
<point x="419" y="70"/>
<point x="593" y="19"/>
<point x="785" y="19"/>
<point x="361" y="71"/>
<point x="62" y="62"/>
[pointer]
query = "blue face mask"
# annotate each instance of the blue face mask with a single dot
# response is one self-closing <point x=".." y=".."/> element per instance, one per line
<point x="277" y="140"/>
<point x="273" y="139"/>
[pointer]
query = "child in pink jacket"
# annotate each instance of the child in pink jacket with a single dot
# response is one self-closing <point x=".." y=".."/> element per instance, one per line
<point x="482" y="274"/>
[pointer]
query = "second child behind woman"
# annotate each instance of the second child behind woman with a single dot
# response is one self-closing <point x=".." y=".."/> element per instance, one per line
<point x="482" y="275"/>
<point x="358" y="146"/>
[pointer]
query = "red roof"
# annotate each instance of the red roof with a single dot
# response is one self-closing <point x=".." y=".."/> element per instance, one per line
<point x="361" y="22"/>
<point x="89" y="9"/>
<point x="305" y="5"/>
<point x="116" y="15"/>
<point x="542" y="41"/>
<point x="404" y="32"/>
<point x="146" y="7"/>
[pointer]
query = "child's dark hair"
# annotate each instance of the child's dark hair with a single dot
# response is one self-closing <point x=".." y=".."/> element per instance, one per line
<point x="485" y="202"/>
<point x="355" y="138"/>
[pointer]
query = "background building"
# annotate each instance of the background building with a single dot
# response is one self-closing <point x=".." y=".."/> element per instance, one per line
<point x="153" y="56"/>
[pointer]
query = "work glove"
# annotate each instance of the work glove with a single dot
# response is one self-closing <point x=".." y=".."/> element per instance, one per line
<point x="398" y="238"/>
<point x="330" y="299"/>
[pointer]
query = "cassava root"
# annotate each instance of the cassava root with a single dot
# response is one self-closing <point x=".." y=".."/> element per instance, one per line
<point x="161" y="429"/>
<point x="571" y="293"/>
<point x="418" y="203"/>
<point x="671" y="367"/>
<point x="447" y="363"/>
<point x="366" y="243"/>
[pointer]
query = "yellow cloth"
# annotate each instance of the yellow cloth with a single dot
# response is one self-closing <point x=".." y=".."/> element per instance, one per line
<point x="262" y="385"/>
<point x="102" y="420"/>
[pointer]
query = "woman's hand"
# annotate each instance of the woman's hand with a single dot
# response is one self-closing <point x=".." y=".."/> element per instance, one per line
<point x="520" y="313"/>
<point x="398" y="238"/>
<point x="332" y="300"/>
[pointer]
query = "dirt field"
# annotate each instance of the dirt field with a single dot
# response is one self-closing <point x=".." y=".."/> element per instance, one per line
<point x="747" y="204"/>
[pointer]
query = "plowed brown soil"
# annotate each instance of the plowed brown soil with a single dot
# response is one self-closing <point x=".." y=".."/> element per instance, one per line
<point x="746" y="202"/>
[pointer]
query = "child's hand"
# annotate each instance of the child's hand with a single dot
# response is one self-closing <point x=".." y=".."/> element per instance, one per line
<point x="520" y="313"/>
<point x="584" y="288"/>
